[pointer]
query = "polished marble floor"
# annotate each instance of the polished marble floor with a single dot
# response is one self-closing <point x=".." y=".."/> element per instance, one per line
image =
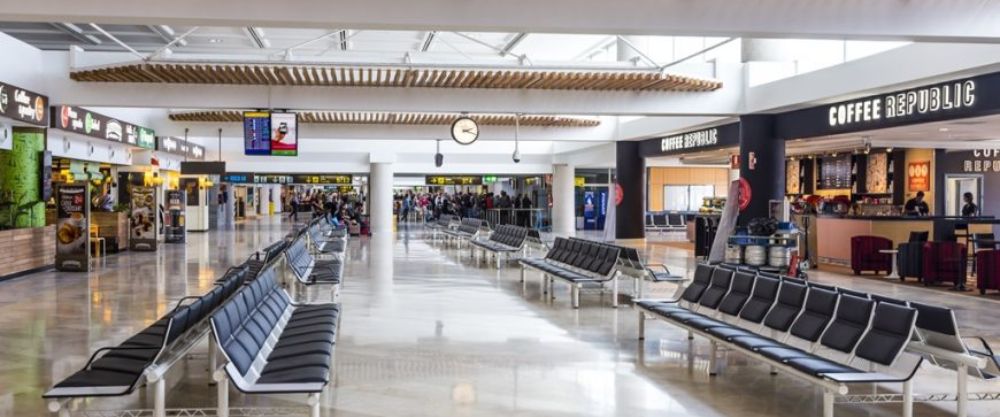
<point x="429" y="332"/>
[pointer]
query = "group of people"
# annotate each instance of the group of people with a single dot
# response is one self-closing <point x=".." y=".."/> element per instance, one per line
<point x="430" y="206"/>
<point x="916" y="206"/>
<point x="337" y="209"/>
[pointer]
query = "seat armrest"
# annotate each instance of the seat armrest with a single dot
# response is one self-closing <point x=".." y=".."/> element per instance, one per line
<point x="93" y="357"/>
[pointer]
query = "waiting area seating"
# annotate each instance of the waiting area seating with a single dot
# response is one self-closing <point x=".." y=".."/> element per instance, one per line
<point x="665" y="221"/>
<point x="630" y="264"/>
<point x="826" y="336"/>
<point x="577" y="262"/>
<point x="323" y="242"/>
<point x="273" y="345"/>
<point x="148" y="355"/>
<point x="443" y="222"/>
<point x="505" y="240"/>
<point x="307" y="269"/>
<point x="466" y="230"/>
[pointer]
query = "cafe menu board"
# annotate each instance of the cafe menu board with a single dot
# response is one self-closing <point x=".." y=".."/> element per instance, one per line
<point x="142" y="220"/>
<point x="453" y="180"/>
<point x="180" y="147"/>
<point x="284" y="134"/>
<point x="834" y="173"/>
<point x="257" y="133"/>
<point x="95" y="125"/>
<point x="72" y="228"/>
<point x="23" y="105"/>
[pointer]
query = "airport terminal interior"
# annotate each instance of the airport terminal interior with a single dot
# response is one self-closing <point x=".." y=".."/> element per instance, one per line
<point x="520" y="208"/>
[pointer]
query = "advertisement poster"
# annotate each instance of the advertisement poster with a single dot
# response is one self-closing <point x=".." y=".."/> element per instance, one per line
<point x="918" y="176"/>
<point x="190" y="188"/>
<point x="72" y="228"/>
<point x="174" y="219"/>
<point x="257" y="133"/>
<point x="589" y="211"/>
<point x="284" y="134"/>
<point x="142" y="222"/>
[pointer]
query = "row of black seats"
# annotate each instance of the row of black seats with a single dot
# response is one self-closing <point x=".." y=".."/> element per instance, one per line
<point x="577" y="260"/>
<point x="114" y="371"/>
<point x="326" y="244"/>
<point x="505" y="238"/>
<point x="265" y="257"/>
<point x="808" y="319"/>
<point x="467" y="229"/>
<point x="273" y="345"/>
<point x="308" y="269"/>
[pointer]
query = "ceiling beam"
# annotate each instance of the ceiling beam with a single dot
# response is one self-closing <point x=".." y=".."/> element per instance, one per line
<point x="256" y="36"/>
<point x="166" y="33"/>
<point x="512" y="43"/>
<point x="428" y="39"/>
<point x="913" y="20"/>
<point x="75" y="32"/>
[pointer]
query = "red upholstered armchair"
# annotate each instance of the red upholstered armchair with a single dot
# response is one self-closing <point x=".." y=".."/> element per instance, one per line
<point x="945" y="261"/>
<point x="865" y="254"/>
<point x="987" y="270"/>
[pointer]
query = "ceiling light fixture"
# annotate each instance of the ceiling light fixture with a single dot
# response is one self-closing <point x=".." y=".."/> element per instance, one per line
<point x="215" y="40"/>
<point x="943" y="129"/>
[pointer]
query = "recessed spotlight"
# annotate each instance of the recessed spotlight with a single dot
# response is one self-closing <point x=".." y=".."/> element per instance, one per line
<point x="215" y="40"/>
<point x="943" y="129"/>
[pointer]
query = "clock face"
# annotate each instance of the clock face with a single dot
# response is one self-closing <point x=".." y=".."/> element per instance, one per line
<point x="465" y="131"/>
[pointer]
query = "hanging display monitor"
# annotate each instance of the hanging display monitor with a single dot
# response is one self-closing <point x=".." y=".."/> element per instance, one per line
<point x="284" y="134"/>
<point x="257" y="133"/>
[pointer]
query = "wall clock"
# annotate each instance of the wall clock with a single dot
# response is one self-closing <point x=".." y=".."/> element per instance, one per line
<point x="465" y="131"/>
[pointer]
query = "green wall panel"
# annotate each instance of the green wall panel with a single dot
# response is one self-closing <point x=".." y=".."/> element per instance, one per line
<point x="20" y="176"/>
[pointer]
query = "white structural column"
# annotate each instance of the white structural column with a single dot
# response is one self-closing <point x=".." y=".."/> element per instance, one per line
<point x="563" y="205"/>
<point x="380" y="196"/>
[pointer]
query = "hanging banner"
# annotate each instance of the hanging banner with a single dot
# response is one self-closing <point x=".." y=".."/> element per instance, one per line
<point x="72" y="227"/>
<point x="142" y="222"/>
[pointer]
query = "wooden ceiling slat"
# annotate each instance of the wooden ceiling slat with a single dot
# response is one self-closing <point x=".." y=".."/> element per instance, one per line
<point x="326" y="75"/>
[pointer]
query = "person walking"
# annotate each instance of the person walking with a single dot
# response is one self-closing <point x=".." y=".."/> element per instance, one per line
<point x="294" y="202"/>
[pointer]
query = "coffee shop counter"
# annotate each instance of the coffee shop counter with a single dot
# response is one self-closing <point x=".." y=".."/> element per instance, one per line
<point x="26" y="250"/>
<point x="833" y="233"/>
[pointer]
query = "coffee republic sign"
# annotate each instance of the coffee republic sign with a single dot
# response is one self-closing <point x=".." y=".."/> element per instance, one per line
<point x="917" y="101"/>
<point x="698" y="139"/>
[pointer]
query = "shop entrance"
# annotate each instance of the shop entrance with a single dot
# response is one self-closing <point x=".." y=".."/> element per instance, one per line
<point x="955" y="186"/>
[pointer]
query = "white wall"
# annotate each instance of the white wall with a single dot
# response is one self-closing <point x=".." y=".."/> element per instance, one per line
<point x="22" y="63"/>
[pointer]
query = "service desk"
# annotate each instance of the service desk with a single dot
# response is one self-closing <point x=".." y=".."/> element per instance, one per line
<point x="834" y="233"/>
<point x="26" y="250"/>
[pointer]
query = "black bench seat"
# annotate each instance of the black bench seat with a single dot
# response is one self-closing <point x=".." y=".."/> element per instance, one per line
<point x="824" y="335"/>
<point x="310" y="270"/>
<point x="119" y="370"/>
<point x="273" y="345"/>
<point x="578" y="262"/>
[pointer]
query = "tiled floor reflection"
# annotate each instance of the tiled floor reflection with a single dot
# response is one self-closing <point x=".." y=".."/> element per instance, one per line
<point x="426" y="332"/>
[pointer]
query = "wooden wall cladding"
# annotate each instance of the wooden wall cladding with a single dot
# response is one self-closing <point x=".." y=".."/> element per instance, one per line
<point x="343" y="76"/>
<point x="388" y="118"/>
<point x="26" y="249"/>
